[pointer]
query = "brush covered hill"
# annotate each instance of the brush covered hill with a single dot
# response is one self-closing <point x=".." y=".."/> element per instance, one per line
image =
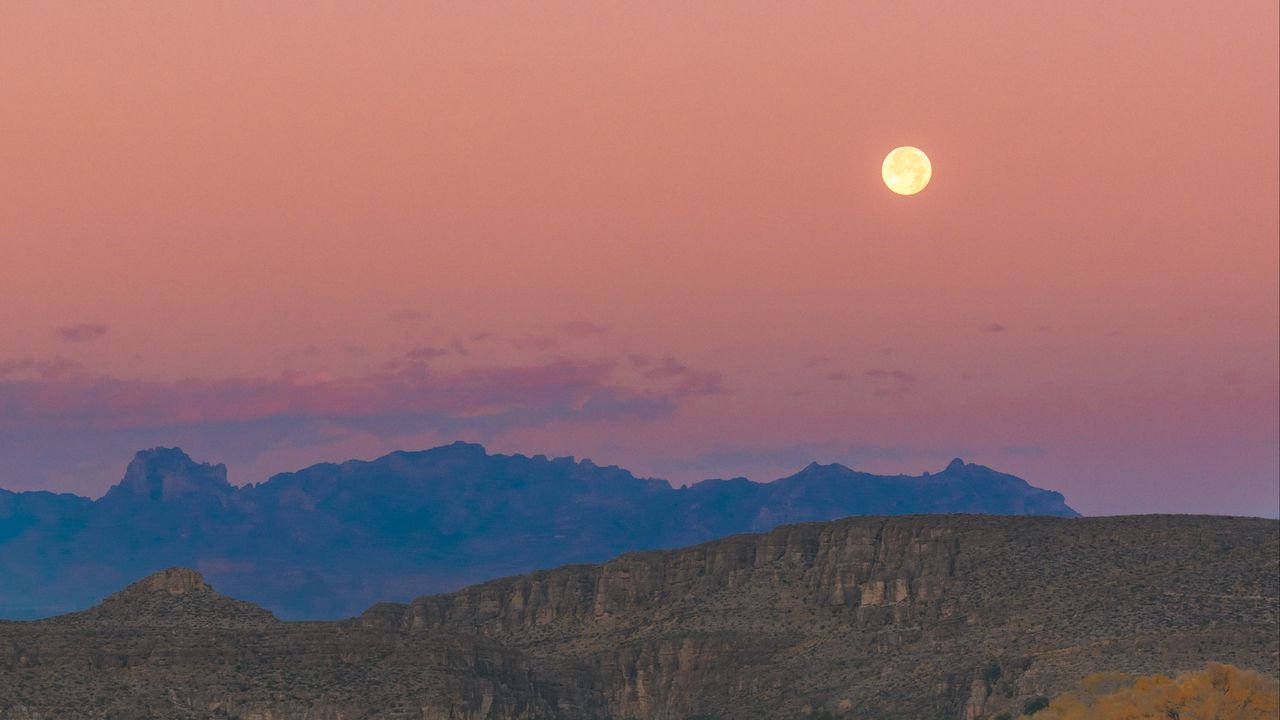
<point x="332" y="539"/>
<point x="894" y="618"/>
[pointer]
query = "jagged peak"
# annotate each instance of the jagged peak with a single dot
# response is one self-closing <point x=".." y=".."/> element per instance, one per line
<point x="817" y="468"/>
<point x="160" y="458"/>
<point x="160" y="473"/>
<point x="461" y="447"/>
<point x="455" y="449"/>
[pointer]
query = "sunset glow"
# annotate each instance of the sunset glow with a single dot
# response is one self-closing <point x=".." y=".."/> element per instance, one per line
<point x="648" y="234"/>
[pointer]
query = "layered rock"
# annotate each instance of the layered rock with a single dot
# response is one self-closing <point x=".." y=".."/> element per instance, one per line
<point x="888" y="618"/>
<point x="901" y="617"/>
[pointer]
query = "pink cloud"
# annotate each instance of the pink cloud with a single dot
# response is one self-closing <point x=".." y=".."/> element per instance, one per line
<point x="890" y="383"/>
<point x="45" y="369"/>
<point x="552" y="389"/>
<point x="688" y="382"/>
<point x="670" y="367"/>
<point x="583" y="329"/>
<point x="427" y="353"/>
<point x="539" y="343"/>
<point x="82" y="332"/>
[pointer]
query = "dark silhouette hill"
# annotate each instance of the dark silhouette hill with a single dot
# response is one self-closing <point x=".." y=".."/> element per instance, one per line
<point x="946" y="617"/>
<point x="330" y="540"/>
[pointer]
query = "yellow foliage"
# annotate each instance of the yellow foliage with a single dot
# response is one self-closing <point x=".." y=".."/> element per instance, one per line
<point x="1219" y="692"/>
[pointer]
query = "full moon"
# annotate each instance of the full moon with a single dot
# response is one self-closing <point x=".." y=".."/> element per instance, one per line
<point x="906" y="170"/>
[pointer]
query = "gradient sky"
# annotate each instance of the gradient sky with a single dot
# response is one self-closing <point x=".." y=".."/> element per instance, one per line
<point x="653" y="234"/>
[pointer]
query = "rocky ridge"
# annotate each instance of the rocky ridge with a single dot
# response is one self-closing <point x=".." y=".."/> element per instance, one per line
<point x="901" y="617"/>
<point x="330" y="540"/>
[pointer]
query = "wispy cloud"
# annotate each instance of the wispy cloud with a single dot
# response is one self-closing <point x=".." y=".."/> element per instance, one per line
<point x="424" y="353"/>
<point x="994" y="327"/>
<point x="688" y="381"/>
<point x="560" y="335"/>
<point x="890" y="383"/>
<point x="535" y="342"/>
<point x="58" y="395"/>
<point x="583" y="329"/>
<point x="82" y="332"/>
<point x="43" y="369"/>
<point x="421" y="356"/>
<point x="55" y="417"/>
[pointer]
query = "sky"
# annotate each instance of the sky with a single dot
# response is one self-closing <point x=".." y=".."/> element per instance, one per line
<point x="651" y="234"/>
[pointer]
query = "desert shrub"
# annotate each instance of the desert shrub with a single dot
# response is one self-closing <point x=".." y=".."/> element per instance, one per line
<point x="1218" y="691"/>
<point x="1034" y="705"/>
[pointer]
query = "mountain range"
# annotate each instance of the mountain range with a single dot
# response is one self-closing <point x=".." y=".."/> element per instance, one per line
<point x="940" y="617"/>
<point x="330" y="540"/>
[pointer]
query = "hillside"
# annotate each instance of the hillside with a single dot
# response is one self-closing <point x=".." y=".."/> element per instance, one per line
<point x="330" y="540"/>
<point x="893" y="618"/>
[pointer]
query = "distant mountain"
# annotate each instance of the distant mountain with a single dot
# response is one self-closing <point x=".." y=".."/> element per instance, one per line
<point x="330" y="540"/>
<point x="944" y="617"/>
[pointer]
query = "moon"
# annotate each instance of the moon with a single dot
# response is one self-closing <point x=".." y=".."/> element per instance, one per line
<point x="906" y="170"/>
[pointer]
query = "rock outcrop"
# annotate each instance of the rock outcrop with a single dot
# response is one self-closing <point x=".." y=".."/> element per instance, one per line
<point x="174" y="597"/>
<point x="166" y="475"/>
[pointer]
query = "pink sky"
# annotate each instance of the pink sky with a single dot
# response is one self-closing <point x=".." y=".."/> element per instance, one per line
<point x="653" y="234"/>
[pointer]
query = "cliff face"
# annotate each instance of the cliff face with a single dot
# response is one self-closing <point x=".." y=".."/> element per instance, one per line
<point x="892" y="617"/>
<point x="889" y="618"/>
<point x="845" y="564"/>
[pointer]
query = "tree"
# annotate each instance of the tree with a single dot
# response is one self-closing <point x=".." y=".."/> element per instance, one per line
<point x="1034" y="705"/>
